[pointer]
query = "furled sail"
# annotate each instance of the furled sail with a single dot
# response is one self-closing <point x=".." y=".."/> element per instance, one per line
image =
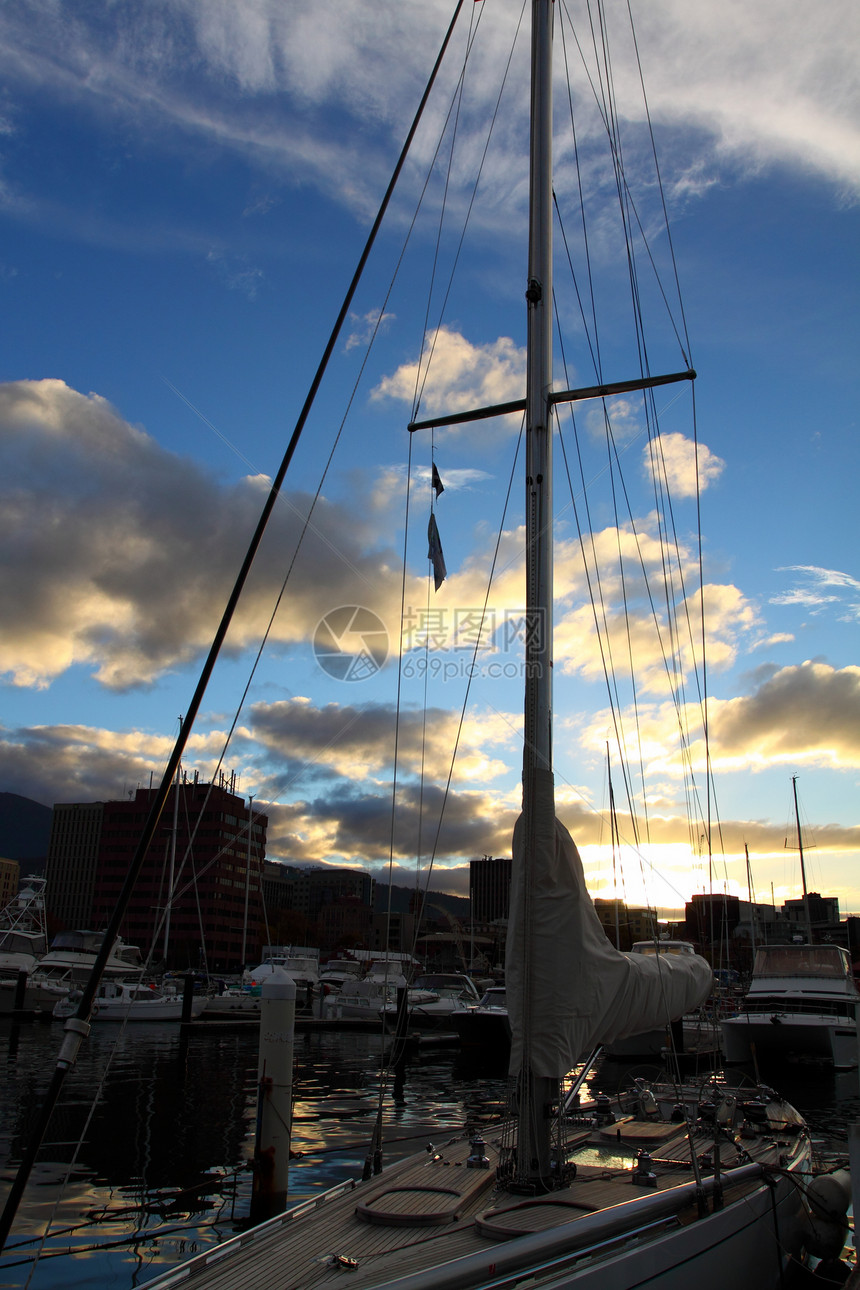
<point x="566" y="983"/>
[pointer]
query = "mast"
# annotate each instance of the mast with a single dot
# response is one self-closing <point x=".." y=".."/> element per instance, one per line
<point x="806" y="913"/>
<point x="171" y="877"/>
<point x="247" y="879"/>
<point x="538" y="698"/>
<point x="537" y="1093"/>
<point x="750" y="894"/>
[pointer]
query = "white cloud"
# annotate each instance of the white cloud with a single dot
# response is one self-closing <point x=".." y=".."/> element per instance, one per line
<point x="674" y="459"/>
<point x="456" y="375"/>
<point x="739" y="85"/>
<point x="844" y="590"/>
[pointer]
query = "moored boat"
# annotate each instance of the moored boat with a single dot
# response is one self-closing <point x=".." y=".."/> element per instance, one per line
<point x="433" y="1000"/>
<point x="23" y="942"/>
<point x="486" y="1026"/>
<point x="801" y="1004"/>
<point x="125" y="1001"/>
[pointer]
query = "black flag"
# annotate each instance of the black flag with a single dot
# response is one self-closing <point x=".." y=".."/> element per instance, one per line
<point x="440" y="573"/>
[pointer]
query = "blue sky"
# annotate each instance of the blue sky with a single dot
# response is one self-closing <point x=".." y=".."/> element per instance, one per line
<point x="184" y="191"/>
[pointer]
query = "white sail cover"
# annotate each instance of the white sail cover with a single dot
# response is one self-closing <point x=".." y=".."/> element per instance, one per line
<point x="571" y="989"/>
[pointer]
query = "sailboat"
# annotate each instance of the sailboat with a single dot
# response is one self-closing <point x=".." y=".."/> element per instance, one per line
<point x="664" y="1184"/>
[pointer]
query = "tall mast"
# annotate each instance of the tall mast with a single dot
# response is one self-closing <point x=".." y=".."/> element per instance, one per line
<point x="537" y="1093"/>
<point x="806" y="913"/>
<point x="538" y="701"/>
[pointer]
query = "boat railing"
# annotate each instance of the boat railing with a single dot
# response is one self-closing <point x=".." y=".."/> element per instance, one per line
<point x="805" y="1007"/>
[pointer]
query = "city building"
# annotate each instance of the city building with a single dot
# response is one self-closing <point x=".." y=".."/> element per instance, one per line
<point x="10" y="878"/>
<point x="310" y="890"/>
<point x="394" y="932"/>
<point x="71" y="864"/>
<point x="625" y="924"/>
<point x="197" y="902"/>
<point x="490" y="888"/>
<point x="823" y="911"/>
<point x="345" y="923"/>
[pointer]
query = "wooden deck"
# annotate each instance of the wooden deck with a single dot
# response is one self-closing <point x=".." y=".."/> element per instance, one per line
<point x="374" y="1231"/>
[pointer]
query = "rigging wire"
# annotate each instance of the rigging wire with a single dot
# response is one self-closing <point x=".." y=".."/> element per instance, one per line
<point x="75" y="1032"/>
<point x="421" y="384"/>
<point x="471" y="671"/>
<point x="602" y="83"/>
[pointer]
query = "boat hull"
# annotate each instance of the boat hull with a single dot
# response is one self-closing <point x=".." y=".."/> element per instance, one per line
<point x="159" y="1008"/>
<point x="824" y="1039"/>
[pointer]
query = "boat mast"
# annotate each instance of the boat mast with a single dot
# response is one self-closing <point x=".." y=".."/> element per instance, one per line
<point x="806" y="913"/>
<point x="171" y="877"/>
<point x="537" y="1093"/>
<point x="538" y="700"/>
<point x="247" y="880"/>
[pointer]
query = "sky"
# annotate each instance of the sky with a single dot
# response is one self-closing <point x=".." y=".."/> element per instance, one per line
<point x="185" y="190"/>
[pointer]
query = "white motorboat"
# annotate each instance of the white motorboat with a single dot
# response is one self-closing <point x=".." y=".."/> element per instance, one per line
<point x="23" y="938"/>
<point x="802" y="1003"/>
<point x="365" y="997"/>
<point x="68" y="962"/>
<point x="71" y="956"/>
<point x="434" y="998"/>
<point x="126" y="1001"/>
<point x="301" y="965"/>
<point x="23" y="942"/>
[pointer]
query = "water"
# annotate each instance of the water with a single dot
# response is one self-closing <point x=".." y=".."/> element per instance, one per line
<point x="161" y="1171"/>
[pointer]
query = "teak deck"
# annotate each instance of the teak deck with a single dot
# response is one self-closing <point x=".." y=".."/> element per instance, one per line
<point x="380" y="1229"/>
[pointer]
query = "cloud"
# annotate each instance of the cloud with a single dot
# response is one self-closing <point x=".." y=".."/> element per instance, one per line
<point x="456" y="375"/>
<point x="810" y="594"/>
<point x="290" y="91"/>
<point x="235" y="274"/>
<point x="363" y="328"/>
<point x="119" y="556"/>
<point x="686" y="467"/>
<point x="803" y="715"/>
<point x="356" y="742"/>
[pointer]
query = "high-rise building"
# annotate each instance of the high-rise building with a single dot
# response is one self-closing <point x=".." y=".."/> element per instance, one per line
<point x="490" y="888"/>
<point x="71" y="863"/>
<point x="197" y="902"/>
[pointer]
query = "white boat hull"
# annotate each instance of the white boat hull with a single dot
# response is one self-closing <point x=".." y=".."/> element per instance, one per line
<point x="826" y="1039"/>
<point x="160" y="1008"/>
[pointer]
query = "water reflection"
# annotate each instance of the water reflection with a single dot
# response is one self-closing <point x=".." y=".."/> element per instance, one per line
<point x="162" y="1169"/>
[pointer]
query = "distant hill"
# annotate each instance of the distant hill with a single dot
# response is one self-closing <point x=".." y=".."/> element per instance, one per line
<point x="402" y="896"/>
<point x="25" y="827"/>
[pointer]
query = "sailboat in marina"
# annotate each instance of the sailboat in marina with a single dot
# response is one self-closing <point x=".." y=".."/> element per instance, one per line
<point x="664" y="1184"/>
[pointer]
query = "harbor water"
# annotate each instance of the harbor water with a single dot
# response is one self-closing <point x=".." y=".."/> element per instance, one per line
<point x="147" y="1158"/>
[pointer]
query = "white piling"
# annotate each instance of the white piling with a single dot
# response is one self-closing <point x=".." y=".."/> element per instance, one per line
<point x="274" y="1097"/>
